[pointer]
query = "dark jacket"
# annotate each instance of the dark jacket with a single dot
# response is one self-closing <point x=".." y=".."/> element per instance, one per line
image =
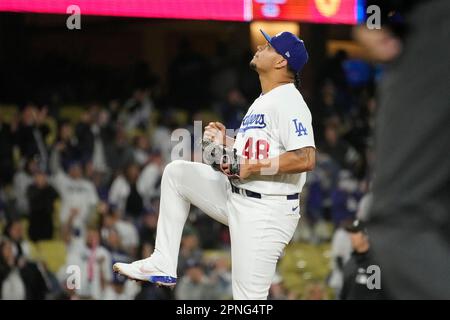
<point x="356" y="279"/>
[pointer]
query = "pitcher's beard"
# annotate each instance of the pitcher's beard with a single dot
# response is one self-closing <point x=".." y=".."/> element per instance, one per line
<point x="252" y="65"/>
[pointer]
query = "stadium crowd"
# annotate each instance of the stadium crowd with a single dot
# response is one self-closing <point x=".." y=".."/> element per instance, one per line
<point x="87" y="185"/>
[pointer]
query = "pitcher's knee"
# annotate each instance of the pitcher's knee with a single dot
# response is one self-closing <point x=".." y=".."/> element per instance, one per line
<point x="175" y="168"/>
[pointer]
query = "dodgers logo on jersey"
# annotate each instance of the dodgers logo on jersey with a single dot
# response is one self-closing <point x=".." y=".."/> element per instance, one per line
<point x="253" y="121"/>
<point x="299" y="128"/>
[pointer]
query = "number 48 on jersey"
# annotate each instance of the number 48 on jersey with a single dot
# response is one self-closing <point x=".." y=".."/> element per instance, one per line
<point x="259" y="150"/>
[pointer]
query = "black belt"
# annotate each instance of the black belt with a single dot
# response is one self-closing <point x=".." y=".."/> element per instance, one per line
<point x="257" y="195"/>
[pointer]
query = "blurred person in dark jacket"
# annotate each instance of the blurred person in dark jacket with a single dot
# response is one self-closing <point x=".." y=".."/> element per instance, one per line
<point x="18" y="269"/>
<point x="119" y="151"/>
<point x="6" y="152"/>
<point x="410" y="216"/>
<point x="356" y="277"/>
<point x="147" y="230"/>
<point x="189" y="249"/>
<point x="124" y="193"/>
<point x="338" y="149"/>
<point x="233" y="109"/>
<point x="84" y="133"/>
<point x="138" y="109"/>
<point x="93" y="133"/>
<point x="65" y="148"/>
<point x="31" y="134"/>
<point x="41" y="196"/>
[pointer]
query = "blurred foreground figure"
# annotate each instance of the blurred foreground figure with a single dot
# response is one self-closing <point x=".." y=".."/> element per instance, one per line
<point x="410" y="216"/>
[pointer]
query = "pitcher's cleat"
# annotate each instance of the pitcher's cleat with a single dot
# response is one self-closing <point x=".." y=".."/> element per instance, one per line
<point x="135" y="271"/>
<point x="163" y="281"/>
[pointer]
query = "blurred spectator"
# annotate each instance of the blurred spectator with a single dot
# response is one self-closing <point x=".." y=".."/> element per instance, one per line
<point x="6" y="152"/>
<point x="120" y="288"/>
<point x="208" y="230"/>
<point x="315" y="291"/>
<point x="20" y="267"/>
<point x="127" y="234"/>
<point x="147" y="232"/>
<point x="84" y="133"/>
<point x="22" y="181"/>
<point x="141" y="149"/>
<point x="338" y="149"/>
<point x="221" y="278"/>
<point x="189" y="250"/>
<point x="68" y="291"/>
<point x="277" y="290"/>
<point x="341" y="249"/>
<point x="149" y="181"/>
<point x="31" y="134"/>
<point x="232" y="111"/>
<point x="345" y="197"/>
<point x="78" y="200"/>
<point x="41" y="196"/>
<point x="94" y="262"/>
<point x="124" y="194"/>
<point x="100" y="181"/>
<point x="138" y="110"/>
<point x="327" y="110"/>
<point x="355" y="286"/>
<point x="15" y="233"/>
<point x="118" y="152"/>
<point x="161" y="138"/>
<point x="65" y="148"/>
<point x="364" y="207"/>
<point x="89" y="135"/>
<point x="195" y="285"/>
<point x="11" y="283"/>
<point x="315" y="199"/>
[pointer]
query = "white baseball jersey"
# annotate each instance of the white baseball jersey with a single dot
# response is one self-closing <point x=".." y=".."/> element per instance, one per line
<point x="276" y="122"/>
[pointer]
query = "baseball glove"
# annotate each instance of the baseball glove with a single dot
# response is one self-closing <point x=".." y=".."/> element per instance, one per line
<point x="216" y="155"/>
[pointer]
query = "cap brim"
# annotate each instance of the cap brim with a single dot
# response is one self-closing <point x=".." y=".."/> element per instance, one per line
<point x="268" y="38"/>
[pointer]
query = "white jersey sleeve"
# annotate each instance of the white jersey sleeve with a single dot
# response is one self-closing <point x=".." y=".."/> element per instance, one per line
<point x="295" y="126"/>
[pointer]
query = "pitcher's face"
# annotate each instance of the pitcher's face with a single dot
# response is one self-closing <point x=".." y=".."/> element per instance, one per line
<point x="265" y="58"/>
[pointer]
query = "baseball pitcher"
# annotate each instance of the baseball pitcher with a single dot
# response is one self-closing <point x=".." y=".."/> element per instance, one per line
<point x="253" y="183"/>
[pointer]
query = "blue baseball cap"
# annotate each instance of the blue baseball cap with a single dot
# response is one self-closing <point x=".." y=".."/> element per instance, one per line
<point x="290" y="47"/>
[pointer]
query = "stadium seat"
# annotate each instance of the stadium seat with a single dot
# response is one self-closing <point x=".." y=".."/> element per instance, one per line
<point x="51" y="252"/>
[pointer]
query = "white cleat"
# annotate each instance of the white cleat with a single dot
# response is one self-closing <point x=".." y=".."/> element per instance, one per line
<point x="137" y="271"/>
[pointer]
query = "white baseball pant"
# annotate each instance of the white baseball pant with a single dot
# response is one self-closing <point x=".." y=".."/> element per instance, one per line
<point x="259" y="228"/>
